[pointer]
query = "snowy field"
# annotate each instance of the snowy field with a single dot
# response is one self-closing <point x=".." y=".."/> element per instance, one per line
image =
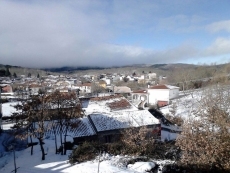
<point x="186" y="105"/>
<point x="59" y="163"/>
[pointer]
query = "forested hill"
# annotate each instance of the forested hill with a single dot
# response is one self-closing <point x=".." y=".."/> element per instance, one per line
<point x="71" y="69"/>
<point x="4" y="70"/>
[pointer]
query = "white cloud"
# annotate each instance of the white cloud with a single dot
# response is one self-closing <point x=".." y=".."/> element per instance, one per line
<point x="80" y="33"/>
<point x="219" y="26"/>
<point x="220" y="46"/>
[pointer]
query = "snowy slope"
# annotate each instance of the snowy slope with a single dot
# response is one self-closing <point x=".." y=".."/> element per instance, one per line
<point x="186" y="104"/>
<point x="59" y="163"/>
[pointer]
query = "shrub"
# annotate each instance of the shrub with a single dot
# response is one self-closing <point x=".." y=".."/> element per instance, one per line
<point x="138" y="141"/>
<point x="84" y="152"/>
<point x="115" y="148"/>
<point x="175" y="119"/>
<point x="205" y="140"/>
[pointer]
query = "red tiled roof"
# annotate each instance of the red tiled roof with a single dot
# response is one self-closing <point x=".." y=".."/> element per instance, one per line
<point x="140" y="91"/>
<point x="159" y="87"/>
<point x="85" y="84"/>
<point x="34" y="86"/>
<point x="121" y="104"/>
<point x="105" y="98"/>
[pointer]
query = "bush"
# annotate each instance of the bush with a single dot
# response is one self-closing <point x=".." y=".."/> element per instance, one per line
<point x="115" y="148"/>
<point x="175" y="119"/>
<point x="205" y="140"/>
<point x="84" y="152"/>
<point x="138" y="141"/>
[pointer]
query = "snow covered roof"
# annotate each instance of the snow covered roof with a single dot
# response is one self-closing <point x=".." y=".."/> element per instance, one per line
<point x="106" y="104"/>
<point x="81" y="127"/>
<point x="116" y="112"/>
<point x="84" y="128"/>
<point x="122" y="89"/>
<point x="122" y="119"/>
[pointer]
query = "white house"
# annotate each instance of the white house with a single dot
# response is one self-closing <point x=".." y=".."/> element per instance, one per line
<point x="85" y="87"/>
<point x="151" y="76"/>
<point x="107" y="80"/>
<point x="159" y="94"/>
<point x="162" y="94"/>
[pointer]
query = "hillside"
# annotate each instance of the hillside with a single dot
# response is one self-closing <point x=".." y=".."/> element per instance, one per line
<point x="21" y="70"/>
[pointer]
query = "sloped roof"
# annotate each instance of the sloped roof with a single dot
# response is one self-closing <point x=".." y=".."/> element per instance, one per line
<point x="106" y="104"/>
<point x="163" y="87"/>
<point x="120" y="104"/>
<point x="122" y="119"/>
<point x="122" y="89"/>
<point x="140" y="91"/>
<point x="82" y="128"/>
<point x="85" y="84"/>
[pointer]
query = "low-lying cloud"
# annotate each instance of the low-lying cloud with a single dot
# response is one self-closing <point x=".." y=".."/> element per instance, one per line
<point x="69" y="33"/>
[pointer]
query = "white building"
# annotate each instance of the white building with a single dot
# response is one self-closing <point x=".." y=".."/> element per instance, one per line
<point x="151" y="76"/>
<point x="159" y="94"/>
<point x="107" y="80"/>
<point x="85" y="88"/>
<point x="162" y="94"/>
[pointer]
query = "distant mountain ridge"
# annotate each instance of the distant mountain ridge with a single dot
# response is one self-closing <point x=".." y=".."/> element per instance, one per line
<point x="72" y="69"/>
<point x="157" y="66"/>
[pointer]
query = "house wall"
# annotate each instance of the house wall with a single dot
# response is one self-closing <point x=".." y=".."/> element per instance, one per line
<point x="85" y="89"/>
<point x="158" y="94"/>
<point x="103" y="85"/>
<point x="108" y="81"/>
<point x="7" y="89"/>
<point x="139" y="96"/>
<point x="173" y="93"/>
<point x="162" y="103"/>
<point x="80" y="140"/>
<point x="168" y="136"/>
<point x="109" y="138"/>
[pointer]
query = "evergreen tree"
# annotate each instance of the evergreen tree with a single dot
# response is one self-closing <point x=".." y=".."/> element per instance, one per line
<point x="15" y="75"/>
<point x="7" y="72"/>
<point x="38" y="76"/>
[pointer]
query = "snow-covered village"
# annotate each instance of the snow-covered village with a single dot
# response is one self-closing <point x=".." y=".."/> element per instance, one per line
<point x="114" y="86"/>
<point x="65" y="123"/>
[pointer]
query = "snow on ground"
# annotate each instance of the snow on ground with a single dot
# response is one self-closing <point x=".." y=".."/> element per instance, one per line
<point x="186" y="104"/>
<point x="142" y="166"/>
<point x="59" y="163"/>
<point x="8" y="108"/>
<point x="7" y="126"/>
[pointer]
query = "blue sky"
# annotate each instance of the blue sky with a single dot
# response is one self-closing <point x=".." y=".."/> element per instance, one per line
<point x="113" y="32"/>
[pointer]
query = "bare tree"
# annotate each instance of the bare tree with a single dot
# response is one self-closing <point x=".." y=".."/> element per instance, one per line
<point x="34" y="119"/>
<point x="66" y="109"/>
<point x="138" y="140"/>
<point x="205" y="140"/>
<point x="72" y="113"/>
